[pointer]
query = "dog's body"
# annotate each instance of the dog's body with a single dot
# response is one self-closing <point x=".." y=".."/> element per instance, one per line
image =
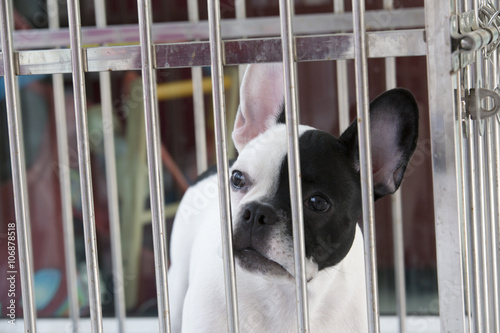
<point x="262" y="234"/>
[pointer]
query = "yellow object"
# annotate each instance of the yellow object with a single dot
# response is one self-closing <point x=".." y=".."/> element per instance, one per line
<point x="184" y="88"/>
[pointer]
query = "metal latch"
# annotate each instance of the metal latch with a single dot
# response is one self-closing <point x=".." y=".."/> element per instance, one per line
<point x="471" y="33"/>
<point x="481" y="103"/>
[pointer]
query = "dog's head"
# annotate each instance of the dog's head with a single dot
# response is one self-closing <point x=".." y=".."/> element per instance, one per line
<point x="331" y="190"/>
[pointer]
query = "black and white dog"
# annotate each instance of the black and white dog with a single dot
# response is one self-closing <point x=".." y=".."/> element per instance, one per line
<point x="262" y="232"/>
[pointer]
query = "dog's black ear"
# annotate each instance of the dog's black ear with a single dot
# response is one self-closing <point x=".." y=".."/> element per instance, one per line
<point x="394" y="133"/>
<point x="261" y="100"/>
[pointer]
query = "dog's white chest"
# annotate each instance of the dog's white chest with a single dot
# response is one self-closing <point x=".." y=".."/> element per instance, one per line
<point x="336" y="296"/>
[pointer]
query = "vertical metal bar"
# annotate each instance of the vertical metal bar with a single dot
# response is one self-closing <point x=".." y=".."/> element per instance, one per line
<point x="397" y="216"/>
<point x="463" y="195"/>
<point x="199" y="120"/>
<point x="67" y="211"/>
<point x="495" y="185"/>
<point x="198" y="102"/>
<point x="481" y="232"/>
<point x="241" y="10"/>
<point x="475" y="245"/>
<point x="397" y="212"/>
<point x="496" y="230"/>
<point x="222" y="163"/>
<point x="462" y="131"/>
<point x="399" y="262"/>
<point x="474" y="307"/>
<point x="241" y="14"/>
<point x="342" y="81"/>
<point x="445" y="166"/>
<point x="495" y="241"/>
<point x="17" y="160"/>
<point x="343" y="95"/>
<point x="488" y="225"/>
<point x="154" y="161"/>
<point x="491" y="237"/>
<point x="481" y="79"/>
<point x="64" y="179"/>
<point x="291" y="111"/>
<point x="365" y="161"/>
<point x="78" y="68"/>
<point x="111" y="180"/>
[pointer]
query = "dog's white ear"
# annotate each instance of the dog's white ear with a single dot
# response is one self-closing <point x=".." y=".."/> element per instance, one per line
<point x="394" y="133"/>
<point x="261" y="102"/>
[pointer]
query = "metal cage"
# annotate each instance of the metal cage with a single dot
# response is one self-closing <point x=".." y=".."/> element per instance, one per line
<point x="460" y="42"/>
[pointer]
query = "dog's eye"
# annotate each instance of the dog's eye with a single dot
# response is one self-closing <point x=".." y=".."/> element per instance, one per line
<point x="317" y="203"/>
<point x="238" y="180"/>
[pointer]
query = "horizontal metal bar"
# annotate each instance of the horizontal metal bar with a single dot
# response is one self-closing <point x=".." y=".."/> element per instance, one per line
<point x="230" y="28"/>
<point x="398" y="43"/>
<point x="150" y="324"/>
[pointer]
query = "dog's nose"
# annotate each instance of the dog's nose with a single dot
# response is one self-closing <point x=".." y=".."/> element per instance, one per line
<point x="259" y="214"/>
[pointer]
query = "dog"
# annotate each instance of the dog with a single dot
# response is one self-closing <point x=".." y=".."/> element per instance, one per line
<point x="262" y="227"/>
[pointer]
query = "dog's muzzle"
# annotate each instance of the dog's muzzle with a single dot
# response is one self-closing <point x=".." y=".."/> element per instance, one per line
<point x="251" y="239"/>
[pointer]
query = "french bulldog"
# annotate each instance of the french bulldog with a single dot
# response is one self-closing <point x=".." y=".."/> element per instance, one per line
<point x="262" y="227"/>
